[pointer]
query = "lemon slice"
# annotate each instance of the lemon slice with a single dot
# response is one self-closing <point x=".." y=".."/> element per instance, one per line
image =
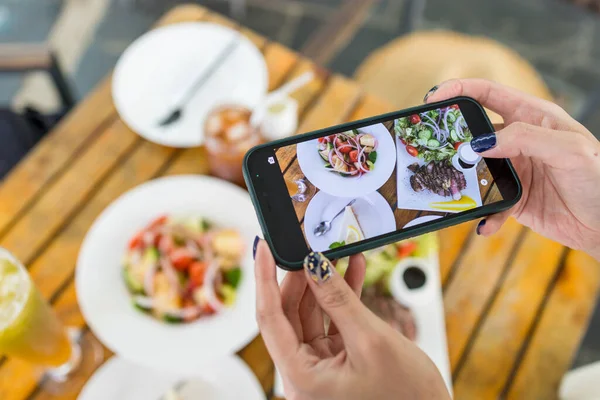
<point x="352" y="235"/>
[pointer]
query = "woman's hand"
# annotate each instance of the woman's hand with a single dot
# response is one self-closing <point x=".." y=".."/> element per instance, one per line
<point x="358" y="357"/>
<point x="556" y="158"/>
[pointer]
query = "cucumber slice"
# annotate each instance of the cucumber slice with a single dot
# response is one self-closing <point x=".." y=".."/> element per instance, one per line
<point x="454" y="136"/>
<point x="425" y="134"/>
<point x="172" y="319"/>
<point x="433" y="143"/>
<point x="132" y="284"/>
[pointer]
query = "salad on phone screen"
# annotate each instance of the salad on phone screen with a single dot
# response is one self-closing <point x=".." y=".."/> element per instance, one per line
<point x="433" y="135"/>
<point x="183" y="269"/>
<point x="350" y="154"/>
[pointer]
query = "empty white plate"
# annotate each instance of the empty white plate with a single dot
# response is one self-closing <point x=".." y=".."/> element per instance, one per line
<point x="155" y="72"/>
<point x="228" y="378"/>
<point x="106" y="303"/>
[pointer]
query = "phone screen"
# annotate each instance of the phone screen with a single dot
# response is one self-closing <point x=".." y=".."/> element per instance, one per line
<point x="369" y="181"/>
<point x="376" y="181"/>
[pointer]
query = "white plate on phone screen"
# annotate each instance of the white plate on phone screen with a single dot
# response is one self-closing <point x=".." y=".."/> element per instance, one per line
<point x="373" y="212"/>
<point x="106" y="303"/>
<point x="228" y="378"/>
<point x="313" y="166"/>
<point x="158" y="68"/>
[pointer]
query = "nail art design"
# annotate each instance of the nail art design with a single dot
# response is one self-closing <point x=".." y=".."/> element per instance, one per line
<point x="318" y="266"/>
<point x="431" y="91"/>
<point x="484" y="142"/>
<point x="256" y="240"/>
<point x="480" y="225"/>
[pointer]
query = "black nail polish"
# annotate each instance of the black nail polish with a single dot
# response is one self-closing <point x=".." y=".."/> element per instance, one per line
<point x="431" y="91"/>
<point x="318" y="266"/>
<point x="484" y="142"/>
<point x="480" y="225"/>
<point x="256" y="240"/>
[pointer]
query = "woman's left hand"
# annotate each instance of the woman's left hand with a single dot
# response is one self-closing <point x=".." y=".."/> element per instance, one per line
<point x="358" y="357"/>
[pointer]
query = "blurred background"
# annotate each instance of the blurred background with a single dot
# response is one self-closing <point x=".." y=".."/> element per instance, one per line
<point x="559" y="38"/>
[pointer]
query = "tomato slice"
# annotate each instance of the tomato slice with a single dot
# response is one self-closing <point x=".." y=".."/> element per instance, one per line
<point x="157" y="222"/>
<point x="414" y="119"/>
<point x="455" y="107"/>
<point x="321" y="139"/>
<point x="346" y="150"/>
<point x="136" y="241"/>
<point x="353" y="156"/>
<point x="412" y="150"/>
<point x="405" y="249"/>
<point x="181" y="259"/>
<point x="197" y="271"/>
<point x="403" y="141"/>
<point x="456" y="145"/>
<point x="339" y="142"/>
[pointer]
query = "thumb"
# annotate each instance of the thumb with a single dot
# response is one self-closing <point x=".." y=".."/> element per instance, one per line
<point x="555" y="148"/>
<point x="335" y="296"/>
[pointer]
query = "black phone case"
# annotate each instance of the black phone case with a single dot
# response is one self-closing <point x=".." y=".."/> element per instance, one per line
<point x="374" y="243"/>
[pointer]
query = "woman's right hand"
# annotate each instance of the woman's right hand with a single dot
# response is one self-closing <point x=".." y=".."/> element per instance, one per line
<point x="556" y="158"/>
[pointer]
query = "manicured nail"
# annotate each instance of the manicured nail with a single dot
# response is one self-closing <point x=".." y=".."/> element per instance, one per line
<point x="484" y="142"/>
<point x="256" y="240"/>
<point x="480" y="225"/>
<point x="431" y="91"/>
<point x="318" y="266"/>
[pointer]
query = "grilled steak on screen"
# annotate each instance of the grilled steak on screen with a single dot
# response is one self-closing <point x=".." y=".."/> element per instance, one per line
<point x="439" y="177"/>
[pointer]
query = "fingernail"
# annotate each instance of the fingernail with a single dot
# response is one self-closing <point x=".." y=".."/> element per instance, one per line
<point x="318" y="266"/>
<point x="256" y="240"/>
<point x="431" y="91"/>
<point x="484" y="142"/>
<point x="480" y="225"/>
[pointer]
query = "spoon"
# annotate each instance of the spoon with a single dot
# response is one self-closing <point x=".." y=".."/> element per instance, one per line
<point x="277" y="95"/>
<point x="325" y="226"/>
<point x="177" y="112"/>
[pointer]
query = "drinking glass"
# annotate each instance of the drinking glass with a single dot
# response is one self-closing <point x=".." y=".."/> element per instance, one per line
<point x="31" y="331"/>
<point x="299" y="189"/>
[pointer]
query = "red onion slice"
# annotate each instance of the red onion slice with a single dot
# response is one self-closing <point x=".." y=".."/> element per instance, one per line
<point x="171" y="274"/>
<point x="209" y="287"/>
<point x="149" y="279"/>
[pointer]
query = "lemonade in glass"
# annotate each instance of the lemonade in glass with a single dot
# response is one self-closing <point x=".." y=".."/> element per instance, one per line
<point x="31" y="331"/>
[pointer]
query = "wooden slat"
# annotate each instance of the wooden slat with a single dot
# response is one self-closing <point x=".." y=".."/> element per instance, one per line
<point x="509" y="319"/>
<point x="281" y="60"/>
<point x="473" y="283"/>
<point x="452" y="245"/>
<point x="557" y="335"/>
<point x="59" y="149"/>
<point x="67" y="194"/>
<point x="370" y="106"/>
<point x="54" y="154"/>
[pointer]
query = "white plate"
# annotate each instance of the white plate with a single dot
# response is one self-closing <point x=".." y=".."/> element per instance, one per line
<point x="373" y="212"/>
<point x="155" y="72"/>
<point x="105" y="301"/>
<point x="313" y="167"/>
<point x="225" y="379"/>
<point x="421" y="220"/>
<point x="411" y="200"/>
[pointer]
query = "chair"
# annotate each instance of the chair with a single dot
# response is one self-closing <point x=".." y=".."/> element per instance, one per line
<point x="402" y="71"/>
<point x="19" y="132"/>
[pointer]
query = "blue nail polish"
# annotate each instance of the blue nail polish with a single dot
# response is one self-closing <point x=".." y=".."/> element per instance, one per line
<point x="256" y="240"/>
<point x="484" y="142"/>
<point x="431" y="91"/>
<point x="480" y="225"/>
<point x="318" y="266"/>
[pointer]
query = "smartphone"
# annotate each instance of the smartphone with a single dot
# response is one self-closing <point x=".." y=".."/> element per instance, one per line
<point x="365" y="184"/>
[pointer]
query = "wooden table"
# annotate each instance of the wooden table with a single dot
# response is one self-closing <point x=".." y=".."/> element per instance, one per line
<point x="516" y="304"/>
